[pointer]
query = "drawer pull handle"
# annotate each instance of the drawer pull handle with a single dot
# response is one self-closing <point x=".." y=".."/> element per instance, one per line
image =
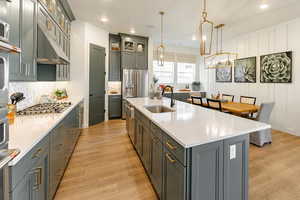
<point x="170" y="146"/>
<point x="170" y="159"/>
<point x="38" y="181"/>
<point x="36" y="154"/>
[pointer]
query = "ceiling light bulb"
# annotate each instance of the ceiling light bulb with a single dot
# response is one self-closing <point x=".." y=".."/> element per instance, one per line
<point x="104" y="19"/>
<point x="132" y="31"/>
<point x="264" y="6"/>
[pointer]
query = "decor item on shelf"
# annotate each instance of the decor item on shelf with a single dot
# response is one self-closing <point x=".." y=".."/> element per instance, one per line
<point x="220" y="59"/>
<point x="206" y="33"/>
<point x="115" y="46"/>
<point x="276" y="68"/>
<point x="196" y="86"/>
<point x="161" y="48"/>
<point x="140" y="47"/>
<point x="224" y="75"/>
<point x="245" y="70"/>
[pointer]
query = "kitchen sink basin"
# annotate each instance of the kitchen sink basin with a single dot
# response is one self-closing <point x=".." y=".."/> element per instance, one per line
<point x="159" y="109"/>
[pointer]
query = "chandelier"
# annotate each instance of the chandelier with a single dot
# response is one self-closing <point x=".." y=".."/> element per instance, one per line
<point x="206" y="33"/>
<point x="220" y="59"/>
<point x="161" y="48"/>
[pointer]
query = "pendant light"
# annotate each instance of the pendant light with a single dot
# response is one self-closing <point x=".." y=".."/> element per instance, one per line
<point x="220" y="59"/>
<point x="161" y="48"/>
<point x="206" y="33"/>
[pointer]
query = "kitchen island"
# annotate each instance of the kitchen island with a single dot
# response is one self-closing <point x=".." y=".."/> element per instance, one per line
<point x="190" y="152"/>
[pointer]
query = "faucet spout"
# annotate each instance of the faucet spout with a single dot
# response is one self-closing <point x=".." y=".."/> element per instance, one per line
<point x="172" y="94"/>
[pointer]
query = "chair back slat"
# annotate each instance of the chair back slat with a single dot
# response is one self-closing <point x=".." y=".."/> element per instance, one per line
<point x="228" y="97"/>
<point x="214" y="104"/>
<point x="248" y="100"/>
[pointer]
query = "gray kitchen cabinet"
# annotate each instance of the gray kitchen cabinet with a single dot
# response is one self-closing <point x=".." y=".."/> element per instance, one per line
<point x="134" y="56"/>
<point x="114" y="72"/>
<point x="128" y="60"/>
<point x="213" y="171"/>
<point x="114" y="106"/>
<point x="114" y="66"/>
<point x="156" y="164"/>
<point x="30" y="177"/>
<point x="28" y="39"/>
<point x="174" y="178"/>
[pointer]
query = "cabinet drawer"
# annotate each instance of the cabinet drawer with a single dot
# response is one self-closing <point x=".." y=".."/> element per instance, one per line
<point x="157" y="132"/>
<point x="176" y="149"/>
<point x="25" y="164"/>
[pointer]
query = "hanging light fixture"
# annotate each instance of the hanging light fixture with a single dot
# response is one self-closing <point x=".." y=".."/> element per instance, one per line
<point x="161" y="48"/>
<point x="220" y="59"/>
<point x="206" y="33"/>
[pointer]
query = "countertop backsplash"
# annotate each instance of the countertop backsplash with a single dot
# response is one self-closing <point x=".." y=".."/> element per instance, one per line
<point x="33" y="91"/>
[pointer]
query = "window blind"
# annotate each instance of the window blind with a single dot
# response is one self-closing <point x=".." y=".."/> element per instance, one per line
<point x="177" y="57"/>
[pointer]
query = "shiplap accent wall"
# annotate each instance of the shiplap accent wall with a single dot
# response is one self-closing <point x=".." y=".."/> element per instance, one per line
<point x="278" y="38"/>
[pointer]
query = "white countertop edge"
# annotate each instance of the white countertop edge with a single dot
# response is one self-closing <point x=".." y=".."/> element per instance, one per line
<point x="43" y="135"/>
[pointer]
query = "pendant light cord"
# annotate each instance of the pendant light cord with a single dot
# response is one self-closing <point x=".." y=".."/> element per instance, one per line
<point x="161" y="28"/>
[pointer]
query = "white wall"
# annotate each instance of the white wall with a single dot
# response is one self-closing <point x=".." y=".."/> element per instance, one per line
<point x="279" y="38"/>
<point x="84" y="34"/>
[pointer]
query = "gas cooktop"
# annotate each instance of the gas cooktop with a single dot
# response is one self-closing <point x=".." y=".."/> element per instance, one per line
<point x="45" y="108"/>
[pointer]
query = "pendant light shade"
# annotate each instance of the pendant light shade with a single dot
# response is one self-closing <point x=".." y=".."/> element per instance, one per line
<point x="206" y="33"/>
<point x="160" y="51"/>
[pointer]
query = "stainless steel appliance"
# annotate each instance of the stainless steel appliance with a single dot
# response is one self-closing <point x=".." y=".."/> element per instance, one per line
<point x="4" y="31"/>
<point x="134" y="84"/>
<point x="45" y="108"/>
<point x="3" y="80"/>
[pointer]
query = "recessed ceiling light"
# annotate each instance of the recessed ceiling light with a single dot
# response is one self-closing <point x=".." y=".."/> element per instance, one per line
<point x="104" y="19"/>
<point x="194" y="38"/>
<point x="264" y="6"/>
<point x="132" y="31"/>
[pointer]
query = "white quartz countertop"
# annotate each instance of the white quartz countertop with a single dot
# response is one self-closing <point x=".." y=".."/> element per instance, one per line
<point x="191" y="125"/>
<point x="27" y="131"/>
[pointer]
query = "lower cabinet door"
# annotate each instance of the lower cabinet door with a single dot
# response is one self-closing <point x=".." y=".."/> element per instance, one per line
<point x="157" y="165"/>
<point x="147" y="148"/>
<point x="174" y="178"/>
<point x="22" y="190"/>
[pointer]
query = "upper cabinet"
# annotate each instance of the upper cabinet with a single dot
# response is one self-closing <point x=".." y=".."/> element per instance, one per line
<point x="42" y="30"/>
<point x="134" y="52"/>
<point x="114" y="58"/>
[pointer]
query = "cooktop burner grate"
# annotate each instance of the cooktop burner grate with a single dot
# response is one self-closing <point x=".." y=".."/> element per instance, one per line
<point x="45" y="108"/>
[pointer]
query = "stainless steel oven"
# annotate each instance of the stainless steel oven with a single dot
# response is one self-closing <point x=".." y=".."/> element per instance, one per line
<point x="4" y="31"/>
<point x="3" y="80"/>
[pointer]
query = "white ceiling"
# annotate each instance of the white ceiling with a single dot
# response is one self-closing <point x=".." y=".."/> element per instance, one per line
<point x="182" y="16"/>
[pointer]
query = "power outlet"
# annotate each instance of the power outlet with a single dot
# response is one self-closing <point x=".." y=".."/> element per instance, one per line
<point x="232" y="152"/>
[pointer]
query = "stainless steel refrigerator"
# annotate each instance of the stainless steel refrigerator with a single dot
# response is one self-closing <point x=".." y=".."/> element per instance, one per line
<point x="134" y="84"/>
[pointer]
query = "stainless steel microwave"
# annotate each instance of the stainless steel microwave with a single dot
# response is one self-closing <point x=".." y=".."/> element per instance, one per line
<point x="4" y="31"/>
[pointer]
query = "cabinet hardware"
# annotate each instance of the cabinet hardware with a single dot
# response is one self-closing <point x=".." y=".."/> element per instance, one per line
<point x="36" y="154"/>
<point x="38" y="178"/>
<point x="170" y="159"/>
<point x="170" y="146"/>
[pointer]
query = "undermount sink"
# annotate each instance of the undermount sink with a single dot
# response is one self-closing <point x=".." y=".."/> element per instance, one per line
<point x="159" y="109"/>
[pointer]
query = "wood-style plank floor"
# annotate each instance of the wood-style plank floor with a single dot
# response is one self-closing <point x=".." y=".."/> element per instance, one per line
<point x="104" y="166"/>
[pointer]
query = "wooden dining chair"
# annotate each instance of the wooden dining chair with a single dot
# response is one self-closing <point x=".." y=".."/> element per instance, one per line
<point x="248" y="100"/>
<point x="228" y="97"/>
<point x="214" y="104"/>
<point x="196" y="100"/>
<point x="260" y="138"/>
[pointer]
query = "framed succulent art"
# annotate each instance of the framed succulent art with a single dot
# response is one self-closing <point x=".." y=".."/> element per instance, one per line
<point x="245" y="70"/>
<point x="276" y="68"/>
<point x="224" y="75"/>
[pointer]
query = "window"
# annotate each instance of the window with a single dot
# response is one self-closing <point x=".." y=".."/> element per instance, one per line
<point x="164" y="74"/>
<point x="185" y="72"/>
